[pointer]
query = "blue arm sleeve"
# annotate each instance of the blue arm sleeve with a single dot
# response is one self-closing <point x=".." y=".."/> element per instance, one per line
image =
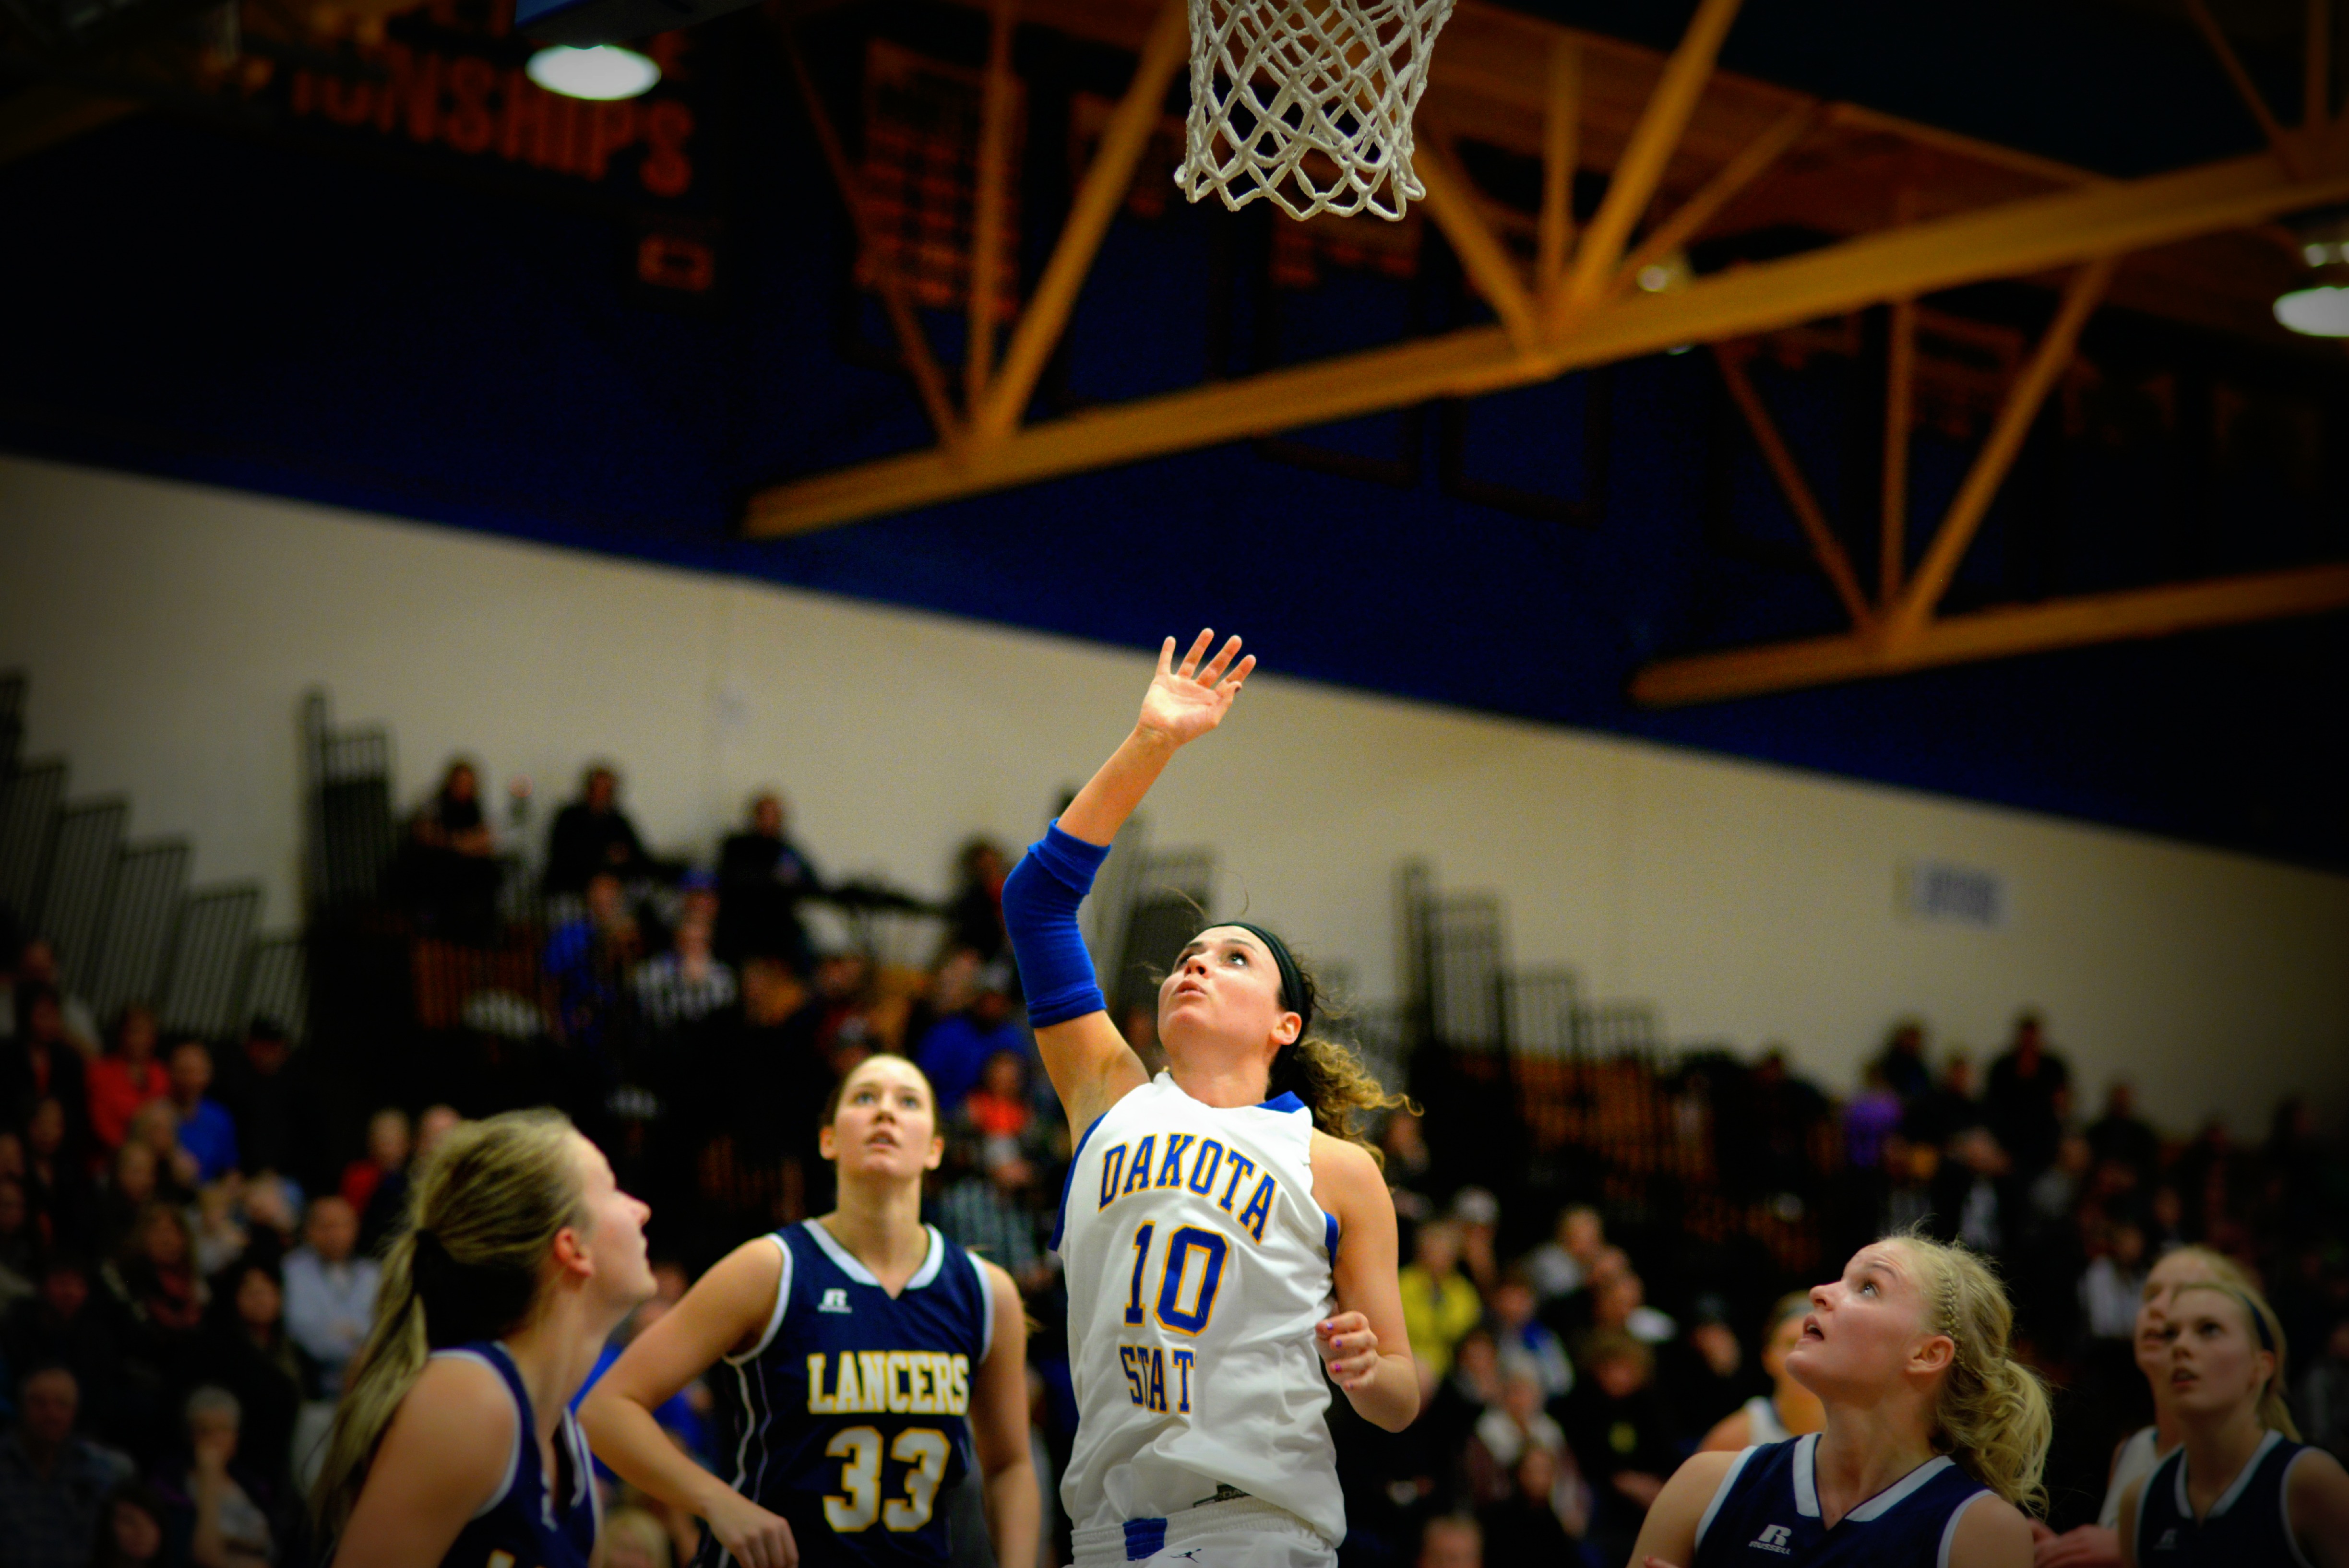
<point x="1040" y="910"/>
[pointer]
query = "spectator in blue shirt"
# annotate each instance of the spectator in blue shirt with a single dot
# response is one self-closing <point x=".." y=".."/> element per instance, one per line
<point x="955" y="1051"/>
<point x="330" y="1291"/>
<point x="207" y="1131"/>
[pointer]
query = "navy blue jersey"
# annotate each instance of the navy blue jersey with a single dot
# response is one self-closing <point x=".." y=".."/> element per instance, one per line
<point x="534" y="1520"/>
<point x="853" y="1403"/>
<point x="2246" y="1527"/>
<point x="1766" y="1512"/>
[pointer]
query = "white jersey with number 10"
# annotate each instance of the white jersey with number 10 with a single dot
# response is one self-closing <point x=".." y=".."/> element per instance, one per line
<point x="1197" y="1265"/>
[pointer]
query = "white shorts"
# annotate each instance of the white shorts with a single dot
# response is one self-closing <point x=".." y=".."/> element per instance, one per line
<point x="1242" y="1533"/>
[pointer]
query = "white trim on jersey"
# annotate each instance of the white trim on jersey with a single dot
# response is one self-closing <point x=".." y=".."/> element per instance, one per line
<point x="782" y="1300"/>
<point x="742" y="1365"/>
<point x="986" y="1305"/>
<point x="583" y="1475"/>
<point x="2283" y="1505"/>
<point x="513" y="1453"/>
<point x="932" y="1261"/>
<point x="1807" y="1487"/>
<point x="1950" y="1531"/>
<point x="2235" y="1488"/>
<point x="1721" y="1493"/>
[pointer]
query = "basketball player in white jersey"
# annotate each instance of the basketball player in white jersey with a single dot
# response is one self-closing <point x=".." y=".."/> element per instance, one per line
<point x="1224" y="1236"/>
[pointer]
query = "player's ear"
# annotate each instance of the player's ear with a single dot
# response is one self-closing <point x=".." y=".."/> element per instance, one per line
<point x="1934" y="1354"/>
<point x="571" y="1254"/>
<point x="826" y="1144"/>
<point x="1284" y="1032"/>
<point x="937" y="1154"/>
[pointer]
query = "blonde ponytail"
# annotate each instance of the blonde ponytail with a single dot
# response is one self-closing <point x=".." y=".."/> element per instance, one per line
<point x="1992" y="1416"/>
<point x="1335" y="1086"/>
<point x="466" y="1264"/>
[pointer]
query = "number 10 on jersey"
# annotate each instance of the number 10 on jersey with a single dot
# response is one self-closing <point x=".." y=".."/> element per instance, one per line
<point x="1188" y="1277"/>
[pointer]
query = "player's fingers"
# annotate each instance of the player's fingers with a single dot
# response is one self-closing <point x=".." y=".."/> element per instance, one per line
<point x="1198" y="651"/>
<point x="1221" y="662"/>
<point x="1167" y="658"/>
<point x="1239" y="673"/>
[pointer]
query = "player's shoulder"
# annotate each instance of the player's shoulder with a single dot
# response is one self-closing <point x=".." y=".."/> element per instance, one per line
<point x="994" y="1279"/>
<point x="457" y="1418"/>
<point x="1702" y="1473"/>
<point x="1000" y="1295"/>
<point x="1992" y="1533"/>
<point x="2316" y="1492"/>
<point x="1671" y="1523"/>
<point x="1344" y="1171"/>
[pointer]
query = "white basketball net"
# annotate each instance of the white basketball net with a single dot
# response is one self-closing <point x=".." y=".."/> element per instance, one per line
<point x="1307" y="102"/>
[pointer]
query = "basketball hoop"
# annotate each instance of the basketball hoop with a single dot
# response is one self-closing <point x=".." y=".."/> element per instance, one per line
<point x="1307" y="102"/>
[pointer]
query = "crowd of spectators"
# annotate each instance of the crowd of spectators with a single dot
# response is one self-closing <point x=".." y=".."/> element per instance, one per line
<point x="189" y="1236"/>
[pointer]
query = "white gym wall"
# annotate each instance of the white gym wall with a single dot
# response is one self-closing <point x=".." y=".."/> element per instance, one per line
<point x="170" y="630"/>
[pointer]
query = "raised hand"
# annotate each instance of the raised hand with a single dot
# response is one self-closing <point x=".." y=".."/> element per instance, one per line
<point x="1184" y="704"/>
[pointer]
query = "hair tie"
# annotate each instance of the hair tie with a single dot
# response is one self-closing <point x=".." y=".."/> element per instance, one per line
<point x="1295" y="993"/>
<point x="464" y="1302"/>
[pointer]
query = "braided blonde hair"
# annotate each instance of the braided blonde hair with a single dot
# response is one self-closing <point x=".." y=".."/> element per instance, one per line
<point x="1992" y="1416"/>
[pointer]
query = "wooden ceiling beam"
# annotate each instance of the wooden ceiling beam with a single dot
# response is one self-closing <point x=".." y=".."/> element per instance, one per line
<point x="1905" y="616"/>
<point x="1690" y="218"/>
<point x="1636" y="174"/>
<point x="1452" y="201"/>
<point x="2003" y="633"/>
<point x="913" y="342"/>
<point x="1899" y="415"/>
<point x="2286" y="144"/>
<point x="1561" y="157"/>
<point x="994" y="182"/>
<point x="46" y="114"/>
<point x="2016" y="238"/>
<point x="1104" y="185"/>
<point x="1789" y="473"/>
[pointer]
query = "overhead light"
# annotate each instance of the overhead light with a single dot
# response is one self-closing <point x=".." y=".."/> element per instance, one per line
<point x="2319" y="310"/>
<point x="1666" y="275"/>
<point x="2319" y="307"/>
<point x="603" y="72"/>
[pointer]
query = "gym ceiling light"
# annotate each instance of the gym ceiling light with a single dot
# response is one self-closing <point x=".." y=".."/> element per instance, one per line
<point x="2320" y="306"/>
<point x="604" y="72"/>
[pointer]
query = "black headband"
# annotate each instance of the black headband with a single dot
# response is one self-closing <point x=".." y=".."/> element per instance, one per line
<point x="2250" y="1310"/>
<point x="1295" y="993"/>
<point x="2259" y="1319"/>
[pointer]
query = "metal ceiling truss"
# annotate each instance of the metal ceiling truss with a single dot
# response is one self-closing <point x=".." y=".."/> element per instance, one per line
<point x="1578" y="305"/>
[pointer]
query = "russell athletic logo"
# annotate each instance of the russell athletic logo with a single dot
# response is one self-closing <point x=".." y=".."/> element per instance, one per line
<point x="834" y="1300"/>
<point x="1774" y="1538"/>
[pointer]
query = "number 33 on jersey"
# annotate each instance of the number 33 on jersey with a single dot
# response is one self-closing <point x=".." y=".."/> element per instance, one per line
<point x="854" y="1401"/>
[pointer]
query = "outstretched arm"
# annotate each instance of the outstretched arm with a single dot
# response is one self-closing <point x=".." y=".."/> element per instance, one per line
<point x="1091" y="1064"/>
<point x="727" y="1312"/>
